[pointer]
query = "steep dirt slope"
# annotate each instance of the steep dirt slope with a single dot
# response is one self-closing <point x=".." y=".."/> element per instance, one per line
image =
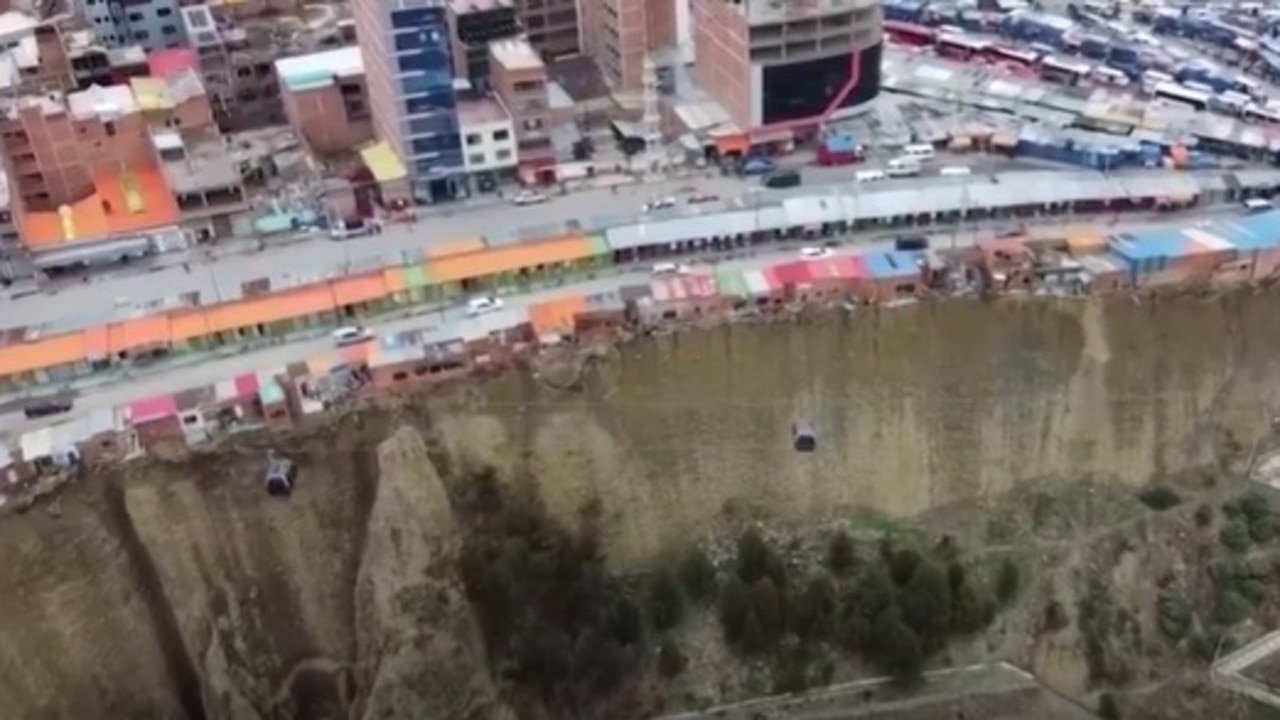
<point x="914" y="407"/>
<point x="180" y="590"/>
<point x="185" y="591"/>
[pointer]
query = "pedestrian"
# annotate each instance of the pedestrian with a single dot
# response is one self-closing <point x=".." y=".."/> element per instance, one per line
<point x="186" y="267"/>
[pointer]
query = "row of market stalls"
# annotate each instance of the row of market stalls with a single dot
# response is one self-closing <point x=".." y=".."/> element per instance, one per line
<point x="1230" y="249"/>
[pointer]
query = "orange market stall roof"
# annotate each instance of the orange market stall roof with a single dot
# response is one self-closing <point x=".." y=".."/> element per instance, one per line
<point x="556" y="315"/>
<point x="383" y="163"/>
<point x="42" y="353"/>
<point x="507" y="258"/>
<point x="133" y="201"/>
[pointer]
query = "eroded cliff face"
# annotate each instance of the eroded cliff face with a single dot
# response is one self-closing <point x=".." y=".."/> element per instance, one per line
<point x="184" y="591"/>
<point x="180" y="590"/>
<point x="914" y="407"/>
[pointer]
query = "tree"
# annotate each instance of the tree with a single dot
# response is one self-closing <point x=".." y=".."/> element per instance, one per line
<point x="671" y="662"/>
<point x="1007" y="581"/>
<point x="872" y="594"/>
<point x="698" y="575"/>
<point x="666" y="604"/>
<point x="841" y="555"/>
<point x="766" y="604"/>
<point x="753" y="637"/>
<point x="812" y="613"/>
<point x="901" y="654"/>
<point x="926" y="603"/>
<point x="754" y="556"/>
<point x="1108" y="709"/>
<point x="902" y="565"/>
<point x="735" y="603"/>
<point x="626" y="621"/>
<point x="971" y="609"/>
<point x="1234" y="534"/>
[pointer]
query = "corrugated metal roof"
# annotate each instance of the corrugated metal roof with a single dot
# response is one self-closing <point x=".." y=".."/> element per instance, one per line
<point x="757" y="282"/>
<point x="1251" y="232"/>
<point x="892" y="264"/>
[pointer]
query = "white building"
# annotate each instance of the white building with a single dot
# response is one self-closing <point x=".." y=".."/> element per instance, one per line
<point x="153" y="24"/>
<point x="488" y="142"/>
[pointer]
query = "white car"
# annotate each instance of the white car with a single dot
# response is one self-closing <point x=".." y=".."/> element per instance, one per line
<point x="814" y="252"/>
<point x="529" y="197"/>
<point x="660" y="204"/>
<point x="670" y="268"/>
<point x="955" y="171"/>
<point x="868" y="176"/>
<point x="351" y="335"/>
<point x="483" y="305"/>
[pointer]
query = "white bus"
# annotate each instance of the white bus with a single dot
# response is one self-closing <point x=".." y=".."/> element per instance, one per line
<point x="1230" y="102"/>
<point x="1109" y="76"/>
<point x="1178" y="93"/>
<point x="1261" y="113"/>
<point x="1153" y="78"/>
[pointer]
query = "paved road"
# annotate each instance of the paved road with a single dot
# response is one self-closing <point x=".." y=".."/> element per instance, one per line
<point x="183" y="373"/>
<point x="104" y="298"/>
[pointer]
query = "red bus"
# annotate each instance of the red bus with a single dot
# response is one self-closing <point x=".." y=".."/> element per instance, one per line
<point x="1012" y="56"/>
<point x="959" y="47"/>
<point x="908" y="34"/>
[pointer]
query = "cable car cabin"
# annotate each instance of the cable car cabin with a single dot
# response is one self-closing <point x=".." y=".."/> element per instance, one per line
<point x="803" y="437"/>
<point x="281" y="474"/>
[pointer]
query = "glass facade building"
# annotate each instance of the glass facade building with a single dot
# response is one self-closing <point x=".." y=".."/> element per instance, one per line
<point x="408" y="68"/>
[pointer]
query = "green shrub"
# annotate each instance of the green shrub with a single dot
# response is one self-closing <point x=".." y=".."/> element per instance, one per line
<point x="1174" y="617"/>
<point x="1108" y="709"/>
<point x="841" y="556"/>
<point x="698" y="575"/>
<point x="926" y="604"/>
<point x="1234" y="535"/>
<point x="666" y="604"/>
<point x="671" y="662"/>
<point x="735" y="604"/>
<point x="1231" y="608"/>
<point x="1159" y="498"/>
<point x="1254" y="506"/>
<point x="1261" y="529"/>
<point x="1007" y="581"/>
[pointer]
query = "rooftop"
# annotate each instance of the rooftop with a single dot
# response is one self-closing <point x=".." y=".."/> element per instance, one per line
<point x="196" y="160"/>
<point x="303" y="72"/>
<point x="481" y="111"/>
<point x="462" y="7"/>
<point x="132" y="201"/>
<point x="105" y="103"/>
<point x="516" y="54"/>
<point x="162" y="63"/>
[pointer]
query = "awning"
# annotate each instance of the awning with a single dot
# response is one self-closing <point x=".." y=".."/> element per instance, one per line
<point x="383" y="163"/>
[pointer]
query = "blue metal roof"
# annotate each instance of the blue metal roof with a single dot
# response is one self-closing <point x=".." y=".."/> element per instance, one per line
<point x="1250" y="232"/>
<point x="1149" y="245"/>
<point x="895" y="263"/>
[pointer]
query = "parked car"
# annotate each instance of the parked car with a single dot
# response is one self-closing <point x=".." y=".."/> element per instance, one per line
<point x="659" y="204"/>
<point x="483" y="305"/>
<point x="782" y="180"/>
<point x="955" y="171"/>
<point x="47" y="406"/>
<point x="670" y="268"/>
<point x="354" y="228"/>
<point x="529" y="197"/>
<point x="351" y="335"/>
<point x="1257" y="205"/>
<point x="757" y="166"/>
<point x="814" y="252"/>
<point x="702" y="198"/>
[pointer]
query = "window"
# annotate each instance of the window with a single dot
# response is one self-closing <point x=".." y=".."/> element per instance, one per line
<point x="423" y="83"/>
<point x="533" y="124"/>
<point x="411" y="40"/>
<point x="110" y="128"/>
<point x="135" y="17"/>
<point x="435" y="144"/>
<point x="164" y="12"/>
<point x="474" y="139"/>
<point x="169" y="30"/>
<point x="501" y="135"/>
<point x="476" y="159"/>
<point x="141" y="35"/>
<point x="417" y="18"/>
<point x="503" y="154"/>
<point x="431" y="59"/>
<point x="428" y="103"/>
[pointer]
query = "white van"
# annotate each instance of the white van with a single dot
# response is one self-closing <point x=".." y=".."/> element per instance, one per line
<point x="922" y="153"/>
<point x="869" y="176"/>
<point x="903" y="167"/>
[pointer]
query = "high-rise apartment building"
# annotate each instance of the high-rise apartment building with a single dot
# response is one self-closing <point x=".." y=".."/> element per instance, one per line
<point x="150" y="23"/>
<point x="788" y="64"/>
<point x="553" y="26"/>
<point x="408" y="70"/>
<point x="474" y="25"/>
<point x="620" y="33"/>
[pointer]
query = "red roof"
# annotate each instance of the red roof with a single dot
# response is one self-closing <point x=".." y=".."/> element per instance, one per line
<point x="163" y="63"/>
<point x="154" y="408"/>
<point x="796" y="272"/>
